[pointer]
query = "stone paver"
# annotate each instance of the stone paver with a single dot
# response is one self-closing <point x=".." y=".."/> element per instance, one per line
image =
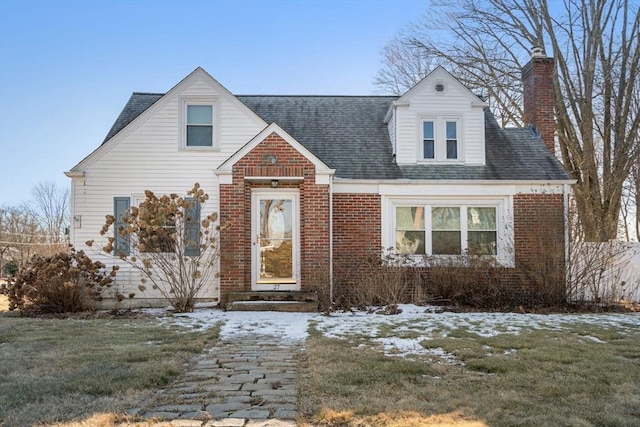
<point x="250" y="381"/>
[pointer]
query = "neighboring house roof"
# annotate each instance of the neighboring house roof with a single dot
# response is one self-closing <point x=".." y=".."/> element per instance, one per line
<point x="348" y="133"/>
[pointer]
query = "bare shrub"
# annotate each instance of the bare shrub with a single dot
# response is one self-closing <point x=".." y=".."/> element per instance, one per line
<point x="470" y="281"/>
<point x="319" y="280"/>
<point x="62" y="283"/>
<point x="376" y="281"/>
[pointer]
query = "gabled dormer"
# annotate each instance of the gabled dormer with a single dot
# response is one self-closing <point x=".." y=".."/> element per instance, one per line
<point x="438" y="121"/>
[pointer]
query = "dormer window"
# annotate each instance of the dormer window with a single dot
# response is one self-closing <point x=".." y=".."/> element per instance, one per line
<point x="452" y="139"/>
<point x="428" y="139"/>
<point x="440" y="139"/>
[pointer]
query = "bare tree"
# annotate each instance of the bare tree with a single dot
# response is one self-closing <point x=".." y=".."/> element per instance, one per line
<point x="485" y="43"/>
<point x="53" y="206"/>
<point x="20" y="233"/>
<point x="403" y="66"/>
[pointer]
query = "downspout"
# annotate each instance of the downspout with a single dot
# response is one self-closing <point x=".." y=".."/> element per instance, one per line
<point x="566" y="190"/>
<point x="331" y="239"/>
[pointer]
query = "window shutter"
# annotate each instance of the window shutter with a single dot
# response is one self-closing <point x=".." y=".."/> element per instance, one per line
<point x="120" y="210"/>
<point x="192" y="227"/>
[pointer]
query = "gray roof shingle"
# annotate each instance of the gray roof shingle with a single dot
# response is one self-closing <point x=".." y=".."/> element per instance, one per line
<point x="348" y="134"/>
<point x="136" y="105"/>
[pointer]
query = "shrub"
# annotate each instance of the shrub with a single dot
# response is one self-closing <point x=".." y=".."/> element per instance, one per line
<point x="10" y="268"/>
<point x="171" y="243"/>
<point x="61" y="283"/>
<point x="377" y="282"/>
<point x="468" y="281"/>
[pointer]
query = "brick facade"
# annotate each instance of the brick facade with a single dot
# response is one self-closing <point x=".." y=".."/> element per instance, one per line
<point x="539" y="238"/>
<point x="538" y="244"/>
<point x="356" y="229"/>
<point x="235" y="213"/>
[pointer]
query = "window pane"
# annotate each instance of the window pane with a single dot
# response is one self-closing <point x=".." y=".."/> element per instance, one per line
<point x="410" y="218"/>
<point x="199" y="136"/>
<point x="446" y="243"/>
<point x="428" y="149"/>
<point x="427" y="130"/>
<point x="445" y="218"/>
<point x="199" y="114"/>
<point x="452" y="130"/>
<point x="482" y="243"/>
<point x="452" y="149"/>
<point x="410" y="242"/>
<point x="481" y="218"/>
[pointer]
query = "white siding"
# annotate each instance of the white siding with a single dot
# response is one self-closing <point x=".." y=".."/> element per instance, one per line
<point x="391" y="127"/>
<point x="407" y="137"/>
<point x="148" y="158"/>
<point x="424" y="102"/>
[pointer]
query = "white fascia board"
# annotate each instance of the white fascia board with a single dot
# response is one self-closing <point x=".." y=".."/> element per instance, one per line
<point x="198" y="73"/>
<point x="440" y="73"/>
<point x="447" y="190"/>
<point x="355" y="187"/>
<point x="74" y="174"/>
<point x="224" y="177"/>
<point x="451" y="187"/>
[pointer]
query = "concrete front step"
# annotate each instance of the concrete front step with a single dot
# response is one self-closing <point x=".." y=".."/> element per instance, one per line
<point x="300" y="296"/>
<point x="296" y="301"/>
<point x="284" y="306"/>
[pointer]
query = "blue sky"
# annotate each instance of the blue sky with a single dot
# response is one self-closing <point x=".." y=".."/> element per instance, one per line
<point x="68" y="67"/>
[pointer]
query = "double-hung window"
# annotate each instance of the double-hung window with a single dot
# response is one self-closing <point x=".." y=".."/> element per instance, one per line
<point x="446" y="229"/>
<point x="440" y="139"/>
<point x="198" y="123"/>
<point x="199" y="126"/>
<point x="428" y="139"/>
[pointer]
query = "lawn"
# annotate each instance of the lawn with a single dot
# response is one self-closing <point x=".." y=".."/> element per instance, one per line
<point x="416" y="368"/>
<point x="474" y="370"/>
<point x="54" y="370"/>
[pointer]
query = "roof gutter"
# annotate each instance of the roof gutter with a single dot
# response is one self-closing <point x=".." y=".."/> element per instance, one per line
<point x="406" y="181"/>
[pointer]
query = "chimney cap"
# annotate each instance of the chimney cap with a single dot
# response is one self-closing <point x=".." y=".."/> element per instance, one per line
<point x="537" y="51"/>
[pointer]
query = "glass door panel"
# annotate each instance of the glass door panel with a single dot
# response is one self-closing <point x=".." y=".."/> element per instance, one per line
<point x="275" y="240"/>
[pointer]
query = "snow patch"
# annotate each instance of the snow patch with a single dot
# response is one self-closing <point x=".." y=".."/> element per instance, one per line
<point x="423" y="323"/>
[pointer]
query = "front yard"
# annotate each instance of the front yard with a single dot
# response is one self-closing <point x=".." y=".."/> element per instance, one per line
<point x="412" y="369"/>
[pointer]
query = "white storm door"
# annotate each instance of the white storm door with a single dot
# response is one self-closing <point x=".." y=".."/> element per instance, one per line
<point x="275" y="240"/>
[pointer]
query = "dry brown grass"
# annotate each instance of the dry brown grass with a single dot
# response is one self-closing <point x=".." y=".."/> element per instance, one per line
<point x="96" y="420"/>
<point x="4" y="303"/>
<point x="537" y="378"/>
<point x="86" y="372"/>
<point x="331" y="418"/>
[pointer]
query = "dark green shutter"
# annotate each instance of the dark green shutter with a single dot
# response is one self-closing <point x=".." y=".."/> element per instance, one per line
<point x="120" y="211"/>
<point x="192" y="227"/>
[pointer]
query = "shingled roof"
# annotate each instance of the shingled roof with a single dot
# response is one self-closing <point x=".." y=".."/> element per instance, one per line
<point x="349" y="135"/>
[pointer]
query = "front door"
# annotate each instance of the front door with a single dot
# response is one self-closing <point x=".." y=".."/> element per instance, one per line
<point x="275" y="244"/>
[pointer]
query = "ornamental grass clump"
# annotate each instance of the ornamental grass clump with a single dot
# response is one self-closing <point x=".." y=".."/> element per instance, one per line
<point x="62" y="283"/>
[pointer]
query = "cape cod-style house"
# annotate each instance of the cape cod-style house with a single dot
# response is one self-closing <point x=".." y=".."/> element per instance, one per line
<point x="322" y="180"/>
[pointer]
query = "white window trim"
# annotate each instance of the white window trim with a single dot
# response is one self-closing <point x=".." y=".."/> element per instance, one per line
<point x="440" y="137"/>
<point x="505" y="255"/>
<point x="184" y="102"/>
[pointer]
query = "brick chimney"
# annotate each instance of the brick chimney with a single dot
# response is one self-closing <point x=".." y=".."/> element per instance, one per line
<point x="537" y="79"/>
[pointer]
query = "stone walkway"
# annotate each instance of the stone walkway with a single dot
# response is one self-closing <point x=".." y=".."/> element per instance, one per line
<point x="247" y="382"/>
